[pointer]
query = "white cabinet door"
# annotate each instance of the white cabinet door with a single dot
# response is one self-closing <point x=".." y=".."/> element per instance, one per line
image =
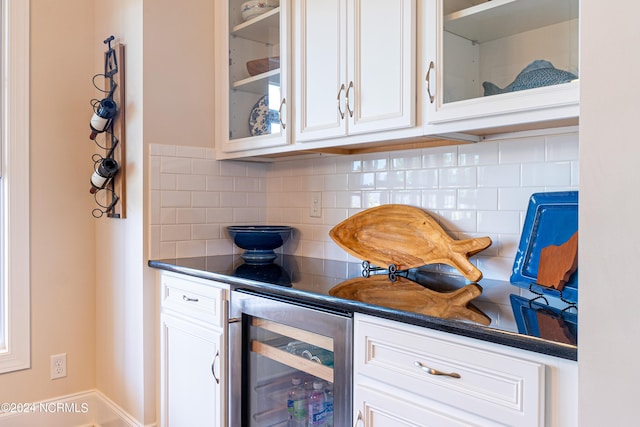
<point x="191" y="393"/>
<point x="355" y="67"/>
<point x="472" y="44"/>
<point x="381" y="69"/>
<point x="252" y="104"/>
<point x="321" y="68"/>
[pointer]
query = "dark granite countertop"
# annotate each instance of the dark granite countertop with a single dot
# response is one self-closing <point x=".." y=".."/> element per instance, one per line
<point x="308" y="281"/>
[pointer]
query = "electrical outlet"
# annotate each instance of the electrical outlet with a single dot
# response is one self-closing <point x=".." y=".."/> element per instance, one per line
<point x="315" y="210"/>
<point x="58" y="365"/>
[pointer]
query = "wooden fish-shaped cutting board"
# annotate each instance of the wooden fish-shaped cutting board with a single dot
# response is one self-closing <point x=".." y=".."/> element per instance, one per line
<point x="407" y="237"/>
<point x="407" y="295"/>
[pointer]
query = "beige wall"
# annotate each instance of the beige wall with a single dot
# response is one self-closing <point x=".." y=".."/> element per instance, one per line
<point x="609" y="250"/>
<point x="169" y="69"/>
<point x="62" y="228"/>
<point x="124" y="362"/>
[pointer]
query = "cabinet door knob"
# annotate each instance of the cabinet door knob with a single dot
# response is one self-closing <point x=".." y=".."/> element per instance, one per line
<point x="188" y="299"/>
<point x="432" y="371"/>
<point x="428" y="80"/>
<point x="346" y="99"/>
<point x="213" y="367"/>
<point x="339" y="107"/>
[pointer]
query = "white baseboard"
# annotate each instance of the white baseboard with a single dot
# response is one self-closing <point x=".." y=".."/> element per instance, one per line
<point x="86" y="409"/>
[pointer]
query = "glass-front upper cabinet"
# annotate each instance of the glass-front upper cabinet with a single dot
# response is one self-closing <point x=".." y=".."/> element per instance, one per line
<point x="494" y="63"/>
<point x="252" y="74"/>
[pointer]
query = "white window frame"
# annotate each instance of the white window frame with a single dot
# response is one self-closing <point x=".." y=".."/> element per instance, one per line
<point x="15" y="351"/>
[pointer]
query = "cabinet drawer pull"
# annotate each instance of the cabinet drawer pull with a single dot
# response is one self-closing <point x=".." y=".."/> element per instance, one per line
<point x="213" y="367"/>
<point x="284" y="101"/>
<point x="186" y="298"/>
<point x="339" y="107"/>
<point x="432" y="371"/>
<point x="346" y="99"/>
<point x="358" y="419"/>
<point x="428" y="79"/>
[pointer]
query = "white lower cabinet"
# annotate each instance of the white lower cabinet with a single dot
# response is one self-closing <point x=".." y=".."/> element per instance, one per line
<point x="192" y="352"/>
<point x="406" y="375"/>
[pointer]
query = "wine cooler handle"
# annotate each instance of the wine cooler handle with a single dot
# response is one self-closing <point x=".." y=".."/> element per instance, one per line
<point x="338" y="98"/>
<point x="432" y="371"/>
<point x="358" y="419"/>
<point x="428" y="79"/>
<point x="213" y="367"/>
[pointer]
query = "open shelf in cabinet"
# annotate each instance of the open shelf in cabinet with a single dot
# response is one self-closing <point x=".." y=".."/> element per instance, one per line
<point x="258" y="84"/>
<point x="264" y="28"/>
<point x="502" y="18"/>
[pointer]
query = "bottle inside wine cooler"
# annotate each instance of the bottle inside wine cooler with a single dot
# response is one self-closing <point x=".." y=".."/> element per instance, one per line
<point x="297" y="404"/>
<point x="328" y="405"/>
<point x="316" y="407"/>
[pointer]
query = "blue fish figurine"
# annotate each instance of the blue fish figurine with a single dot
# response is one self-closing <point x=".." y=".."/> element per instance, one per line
<point x="537" y="74"/>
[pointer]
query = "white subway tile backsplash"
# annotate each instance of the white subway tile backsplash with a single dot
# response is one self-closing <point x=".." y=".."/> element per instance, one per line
<point x="175" y="165"/>
<point x="551" y="174"/>
<point x="205" y="167"/>
<point x="498" y="222"/>
<point x="371" y="199"/>
<point x="405" y="160"/>
<point x="522" y="150"/>
<point x="191" y="183"/>
<point x="175" y="199"/>
<point x="459" y="177"/>
<point x="175" y="232"/>
<point x="190" y="216"/>
<point x="190" y="248"/>
<point x="439" y="199"/>
<point x="205" y="231"/>
<point x="440" y="157"/>
<point x="473" y="190"/>
<point x="477" y="198"/>
<point x="483" y="153"/>
<point x="456" y="220"/>
<point x="499" y="176"/>
<point x="390" y="180"/>
<point x="336" y="182"/>
<point x="233" y="168"/>
<point x="205" y="199"/>
<point x="562" y="147"/>
<point x="422" y="178"/>
<point x="362" y="181"/>
<point x="375" y="162"/>
<point x="191" y="152"/>
<point x="514" y="198"/>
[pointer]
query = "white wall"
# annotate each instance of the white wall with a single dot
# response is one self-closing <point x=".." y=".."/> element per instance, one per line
<point x="62" y="228"/>
<point x="609" y="206"/>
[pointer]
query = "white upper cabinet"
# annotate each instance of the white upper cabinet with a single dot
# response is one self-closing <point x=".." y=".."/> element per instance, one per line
<point x="500" y="64"/>
<point x="355" y="67"/>
<point x="252" y="80"/>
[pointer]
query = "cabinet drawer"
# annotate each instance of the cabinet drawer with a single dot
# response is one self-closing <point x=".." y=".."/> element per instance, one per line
<point x="192" y="297"/>
<point x="490" y="384"/>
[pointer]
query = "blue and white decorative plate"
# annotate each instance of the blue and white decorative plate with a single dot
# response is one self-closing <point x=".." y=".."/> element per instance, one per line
<point x="261" y="117"/>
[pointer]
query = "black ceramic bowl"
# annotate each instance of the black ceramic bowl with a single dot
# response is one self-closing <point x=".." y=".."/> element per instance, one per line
<point x="259" y="241"/>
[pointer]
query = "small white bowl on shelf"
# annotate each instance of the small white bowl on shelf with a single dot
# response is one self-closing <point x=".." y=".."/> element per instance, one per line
<point x="253" y="8"/>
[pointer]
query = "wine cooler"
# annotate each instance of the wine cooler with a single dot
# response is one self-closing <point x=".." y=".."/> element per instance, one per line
<point x="289" y="363"/>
